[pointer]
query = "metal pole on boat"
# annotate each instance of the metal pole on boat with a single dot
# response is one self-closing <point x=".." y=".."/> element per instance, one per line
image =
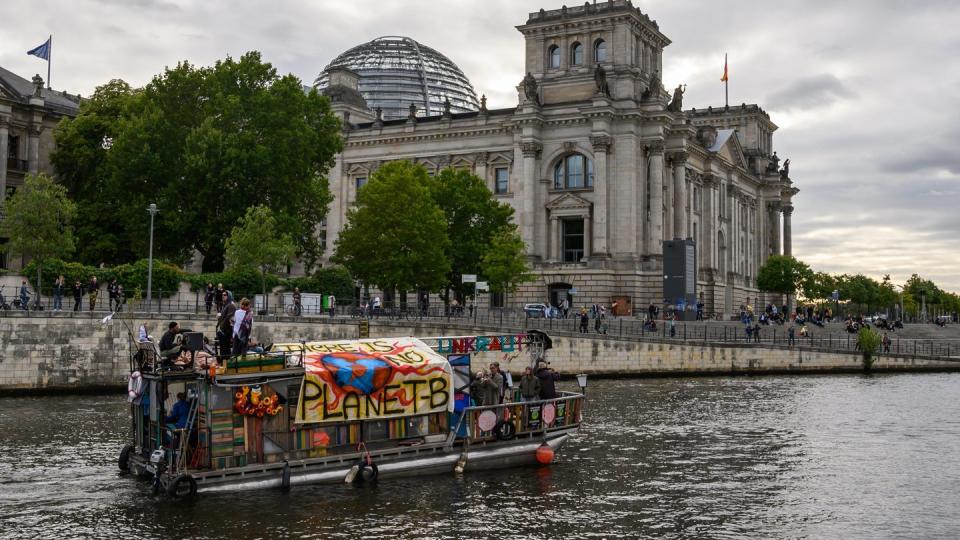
<point x="152" y="209"/>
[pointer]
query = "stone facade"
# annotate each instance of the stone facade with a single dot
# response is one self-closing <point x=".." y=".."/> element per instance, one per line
<point x="28" y="115"/>
<point x="601" y="164"/>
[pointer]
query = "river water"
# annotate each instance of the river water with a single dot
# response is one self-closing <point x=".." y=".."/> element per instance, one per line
<point x="842" y="456"/>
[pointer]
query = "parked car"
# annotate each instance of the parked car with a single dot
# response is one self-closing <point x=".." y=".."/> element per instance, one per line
<point x="535" y="310"/>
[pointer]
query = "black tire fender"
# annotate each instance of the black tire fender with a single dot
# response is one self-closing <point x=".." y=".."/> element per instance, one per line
<point x="367" y="473"/>
<point x="505" y="430"/>
<point x="124" y="460"/>
<point x="174" y="488"/>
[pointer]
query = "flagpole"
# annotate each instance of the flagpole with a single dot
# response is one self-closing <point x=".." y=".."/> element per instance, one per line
<point x="726" y="83"/>
<point x="49" y="56"/>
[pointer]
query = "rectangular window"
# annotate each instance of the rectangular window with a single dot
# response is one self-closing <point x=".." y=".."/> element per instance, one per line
<point x="360" y="182"/>
<point x="573" y="242"/>
<point x="13" y="146"/>
<point x="501" y="180"/>
<point x="322" y="233"/>
<point x="575" y="172"/>
<point x="497" y="299"/>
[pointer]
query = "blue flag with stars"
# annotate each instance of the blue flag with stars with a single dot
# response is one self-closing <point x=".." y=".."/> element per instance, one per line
<point x="43" y="51"/>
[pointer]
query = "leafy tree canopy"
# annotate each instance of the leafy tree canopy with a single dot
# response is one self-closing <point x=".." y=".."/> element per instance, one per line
<point x="783" y="274"/>
<point x="36" y="221"/>
<point x="473" y="218"/>
<point x="396" y="235"/>
<point x="504" y="262"/>
<point x="204" y="144"/>
<point x="256" y="242"/>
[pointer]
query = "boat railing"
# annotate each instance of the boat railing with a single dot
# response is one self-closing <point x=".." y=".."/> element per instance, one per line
<point x="519" y="418"/>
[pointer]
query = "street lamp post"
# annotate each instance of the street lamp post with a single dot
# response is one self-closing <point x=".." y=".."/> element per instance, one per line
<point x="152" y="209"/>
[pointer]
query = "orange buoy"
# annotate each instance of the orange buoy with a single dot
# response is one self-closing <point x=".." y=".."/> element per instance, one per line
<point x="544" y="454"/>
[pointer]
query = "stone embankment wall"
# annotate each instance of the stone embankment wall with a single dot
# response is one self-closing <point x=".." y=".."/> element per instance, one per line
<point x="61" y="353"/>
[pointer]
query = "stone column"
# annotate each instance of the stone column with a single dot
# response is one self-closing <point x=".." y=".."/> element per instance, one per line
<point x="480" y="169"/>
<point x="4" y="152"/>
<point x="33" y="148"/>
<point x="531" y="185"/>
<point x="587" y="237"/>
<point x="655" y="236"/>
<point x="708" y="225"/>
<point x="601" y="187"/>
<point x="787" y="231"/>
<point x="555" y="239"/>
<point x="679" y="161"/>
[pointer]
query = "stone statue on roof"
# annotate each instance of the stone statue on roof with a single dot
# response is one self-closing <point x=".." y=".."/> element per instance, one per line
<point x="785" y="171"/>
<point x="676" y="104"/>
<point x="530" y="89"/>
<point x="600" y="78"/>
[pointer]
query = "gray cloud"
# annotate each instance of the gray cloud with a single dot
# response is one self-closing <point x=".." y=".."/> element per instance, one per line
<point x="809" y="93"/>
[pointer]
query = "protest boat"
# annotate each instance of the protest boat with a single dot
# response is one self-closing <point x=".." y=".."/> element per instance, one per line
<point x="346" y="411"/>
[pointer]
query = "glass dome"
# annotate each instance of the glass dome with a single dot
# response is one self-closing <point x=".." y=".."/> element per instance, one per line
<point x="396" y="71"/>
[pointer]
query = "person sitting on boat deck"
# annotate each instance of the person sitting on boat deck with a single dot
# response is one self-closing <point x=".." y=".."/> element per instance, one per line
<point x="529" y="385"/>
<point x="254" y="346"/>
<point x="179" y="412"/>
<point x="484" y="390"/>
<point x="548" y="378"/>
<point x="143" y="336"/>
<point x="169" y="346"/>
<point x="497" y="377"/>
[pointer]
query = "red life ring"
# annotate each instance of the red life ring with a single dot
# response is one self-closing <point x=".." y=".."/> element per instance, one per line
<point x="134" y="386"/>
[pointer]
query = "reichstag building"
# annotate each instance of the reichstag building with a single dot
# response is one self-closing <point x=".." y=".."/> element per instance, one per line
<point x="599" y="160"/>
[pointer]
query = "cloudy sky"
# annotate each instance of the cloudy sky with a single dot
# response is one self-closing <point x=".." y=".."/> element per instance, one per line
<point x="864" y="92"/>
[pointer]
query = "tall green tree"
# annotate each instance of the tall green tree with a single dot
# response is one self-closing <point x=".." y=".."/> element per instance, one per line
<point x="36" y="221"/>
<point x="783" y="274"/>
<point x="504" y="262"/>
<point x="256" y="242"/>
<point x="204" y="143"/>
<point x="81" y="161"/>
<point x="396" y="235"/>
<point x="473" y="218"/>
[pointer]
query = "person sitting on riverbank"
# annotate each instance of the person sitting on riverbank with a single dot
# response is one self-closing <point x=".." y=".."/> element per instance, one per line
<point x="529" y="385"/>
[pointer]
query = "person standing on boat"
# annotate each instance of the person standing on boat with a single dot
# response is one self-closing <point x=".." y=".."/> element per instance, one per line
<point x="225" y="323"/>
<point x="242" y="327"/>
<point x="529" y="385"/>
<point x="496" y="376"/>
<point x="548" y="379"/>
<point x="483" y="390"/>
<point x="93" y="289"/>
<point x="77" y="295"/>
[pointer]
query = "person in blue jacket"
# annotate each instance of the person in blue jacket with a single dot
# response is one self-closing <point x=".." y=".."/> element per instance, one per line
<point x="180" y="411"/>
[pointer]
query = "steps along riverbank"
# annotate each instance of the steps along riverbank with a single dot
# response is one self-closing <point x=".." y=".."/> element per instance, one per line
<point x="40" y="354"/>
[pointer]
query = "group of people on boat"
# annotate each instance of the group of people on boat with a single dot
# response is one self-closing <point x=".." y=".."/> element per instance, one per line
<point x="495" y="386"/>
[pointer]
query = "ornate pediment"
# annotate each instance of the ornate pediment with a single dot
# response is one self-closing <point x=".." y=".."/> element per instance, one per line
<point x="569" y="204"/>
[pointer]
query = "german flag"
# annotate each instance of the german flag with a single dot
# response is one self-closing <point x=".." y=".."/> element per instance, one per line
<point x="724" y="78"/>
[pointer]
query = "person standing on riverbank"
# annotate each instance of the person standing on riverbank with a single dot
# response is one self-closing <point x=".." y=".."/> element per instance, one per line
<point x="208" y="297"/>
<point x="77" y="295"/>
<point x="93" y="289"/>
<point x="59" y="287"/>
<point x="791" y="336"/>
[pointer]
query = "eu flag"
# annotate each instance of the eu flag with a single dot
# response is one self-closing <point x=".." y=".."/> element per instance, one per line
<point x="43" y="51"/>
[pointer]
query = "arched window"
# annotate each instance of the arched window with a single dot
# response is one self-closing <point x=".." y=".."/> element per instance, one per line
<point x="600" y="51"/>
<point x="576" y="54"/>
<point x="553" y="56"/>
<point x="574" y="171"/>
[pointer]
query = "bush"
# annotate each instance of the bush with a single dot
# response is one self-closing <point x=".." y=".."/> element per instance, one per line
<point x="240" y="281"/>
<point x="868" y="341"/>
<point x="166" y="277"/>
<point x="335" y="280"/>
